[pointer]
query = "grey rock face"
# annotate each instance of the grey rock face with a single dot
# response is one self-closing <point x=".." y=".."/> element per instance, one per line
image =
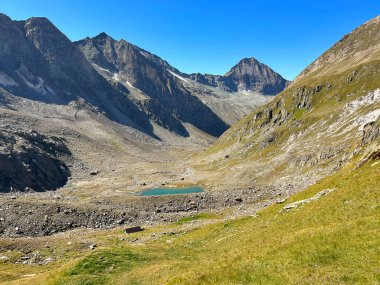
<point x="169" y="103"/>
<point x="248" y="75"/>
<point x="30" y="161"/>
<point x="206" y="79"/>
<point x="38" y="62"/>
<point x="371" y="131"/>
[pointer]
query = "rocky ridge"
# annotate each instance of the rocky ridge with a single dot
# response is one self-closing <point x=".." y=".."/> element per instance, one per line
<point x="361" y="45"/>
<point x="248" y="75"/>
<point x="164" y="99"/>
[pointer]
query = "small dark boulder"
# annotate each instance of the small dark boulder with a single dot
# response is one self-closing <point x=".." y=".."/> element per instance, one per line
<point x="133" y="230"/>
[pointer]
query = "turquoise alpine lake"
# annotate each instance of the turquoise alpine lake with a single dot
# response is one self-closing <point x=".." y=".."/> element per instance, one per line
<point x="171" y="191"/>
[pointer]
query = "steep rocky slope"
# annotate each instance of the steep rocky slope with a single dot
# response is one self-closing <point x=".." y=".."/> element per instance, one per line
<point x="313" y="128"/>
<point x="172" y="98"/>
<point x="166" y="101"/>
<point x="128" y="84"/>
<point x="247" y="75"/>
<point x="38" y="62"/>
<point x="30" y="161"/>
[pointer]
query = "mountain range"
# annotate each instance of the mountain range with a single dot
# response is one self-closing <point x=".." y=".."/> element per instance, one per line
<point x="248" y="75"/>
<point x="44" y="75"/>
<point x="131" y="85"/>
<point x="290" y="170"/>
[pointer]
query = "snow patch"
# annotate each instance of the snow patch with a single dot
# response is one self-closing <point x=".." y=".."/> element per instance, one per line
<point x="129" y="84"/>
<point x="39" y="85"/>
<point x="144" y="54"/>
<point x="178" y="76"/>
<point x="5" y="80"/>
<point x="101" y="68"/>
<point x="49" y="89"/>
<point x="115" y="77"/>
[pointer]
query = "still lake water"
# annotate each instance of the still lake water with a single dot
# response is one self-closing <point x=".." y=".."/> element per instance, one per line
<point x="170" y="191"/>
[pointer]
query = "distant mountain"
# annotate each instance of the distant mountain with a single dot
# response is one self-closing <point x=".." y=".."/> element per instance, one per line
<point x="164" y="98"/>
<point x="38" y="62"/>
<point x="248" y="75"/>
<point x="128" y="84"/>
<point x="172" y="98"/>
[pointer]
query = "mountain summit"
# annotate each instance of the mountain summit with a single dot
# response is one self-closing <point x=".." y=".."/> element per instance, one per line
<point x="249" y="74"/>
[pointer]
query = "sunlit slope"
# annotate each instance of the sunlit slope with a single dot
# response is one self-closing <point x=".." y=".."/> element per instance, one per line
<point x="360" y="46"/>
<point x="312" y="128"/>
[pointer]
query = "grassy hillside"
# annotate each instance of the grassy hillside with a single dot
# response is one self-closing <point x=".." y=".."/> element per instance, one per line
<point x="311" y="129"/>
<point x="331" y="240"/>
<point x="362" y="45"/>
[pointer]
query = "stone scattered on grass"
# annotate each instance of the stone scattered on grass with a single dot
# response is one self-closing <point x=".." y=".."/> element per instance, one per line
<point x="306" y="201"/>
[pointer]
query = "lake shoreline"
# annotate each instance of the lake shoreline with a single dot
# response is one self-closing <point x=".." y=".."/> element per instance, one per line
<point x="36" y="217"/>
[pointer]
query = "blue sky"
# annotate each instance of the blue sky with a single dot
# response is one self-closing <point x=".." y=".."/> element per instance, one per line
<point x="209" y="36"/>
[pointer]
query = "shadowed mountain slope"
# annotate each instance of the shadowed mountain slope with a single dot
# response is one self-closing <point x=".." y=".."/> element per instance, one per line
<point x="39" y="62"/>
<point x="166" y="101"/>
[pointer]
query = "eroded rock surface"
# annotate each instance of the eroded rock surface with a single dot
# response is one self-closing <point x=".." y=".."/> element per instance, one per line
<point x="30" y="161"/>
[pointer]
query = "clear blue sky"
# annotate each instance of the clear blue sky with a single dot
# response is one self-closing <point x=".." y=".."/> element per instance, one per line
<point x="209" y="36"/>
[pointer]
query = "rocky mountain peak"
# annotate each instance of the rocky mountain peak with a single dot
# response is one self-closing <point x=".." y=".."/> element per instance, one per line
<point x="46" y="37"/>
<point x="166" y="101"/>
<point x="39" y="21"/>
<point x="249" y="60"/>
<point x="4" y="19"/>
<point x="249" y="66"/>
<point x="103" y="35"/>
<point x="249" y="74"/>
<point x="42" y="64"/>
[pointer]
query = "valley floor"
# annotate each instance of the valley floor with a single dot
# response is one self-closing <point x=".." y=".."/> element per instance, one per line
<point x="332" y="239"/>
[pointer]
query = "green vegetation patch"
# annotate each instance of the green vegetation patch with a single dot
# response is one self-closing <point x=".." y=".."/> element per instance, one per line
<point x="97" y="267"/>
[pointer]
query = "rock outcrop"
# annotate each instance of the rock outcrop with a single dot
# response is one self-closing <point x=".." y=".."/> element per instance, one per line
<point x="30" y="161"/>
